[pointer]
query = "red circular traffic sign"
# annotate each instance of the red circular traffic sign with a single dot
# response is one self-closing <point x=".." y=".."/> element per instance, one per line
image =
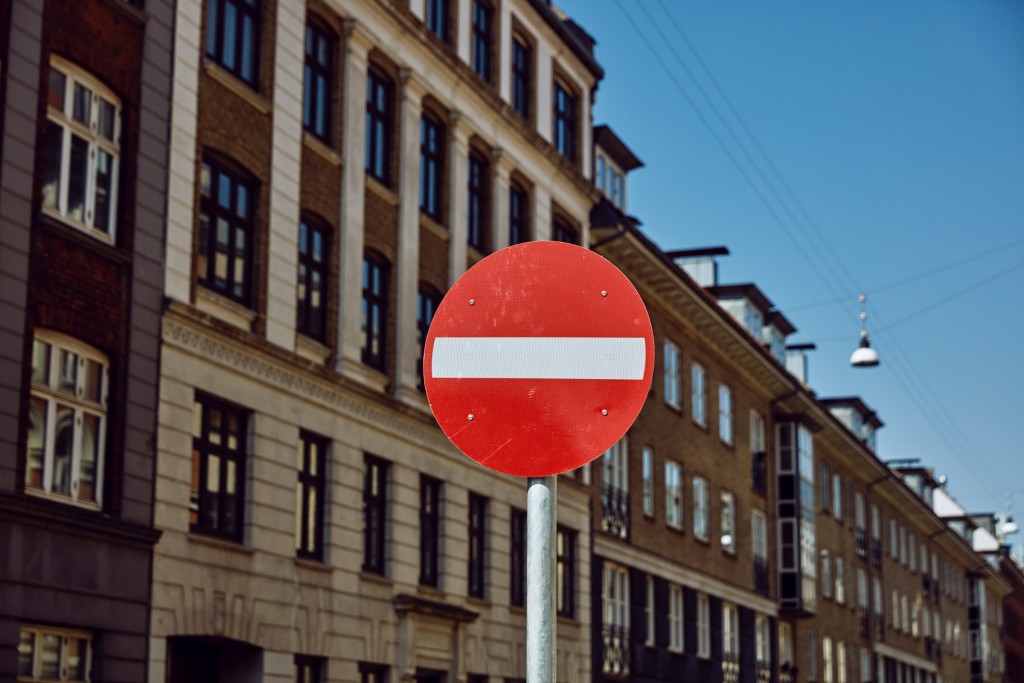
<point x="538" y="359"/>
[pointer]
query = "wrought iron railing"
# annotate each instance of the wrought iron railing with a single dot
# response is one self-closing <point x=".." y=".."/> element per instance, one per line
<point x="862" y="542"/>
<point x="615" y="650"/>
<point x="615" y="511"/>
<point x="730" y="668"/>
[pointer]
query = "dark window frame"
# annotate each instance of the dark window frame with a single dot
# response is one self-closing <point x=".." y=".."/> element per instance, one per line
<point x="312" y="477"/>
<point x="375" y="513"/>
<point x="517" y="558"/>
<point x="518" y="214"/>
<point x="373" y="673"/>
<point x="203" y="447"/>
<point x="380" y="129"/>
<point x="318" y="81"/>
<point x="376" y="288"/>
<point x="310" y="669"/>
<point x="430" y="531"/>
<point x="215" y="37"/>
<point x="477" y="555"/>
<point x="479" y="211"/>
<point x="432" y="166"/>
<point x="565" y="128"/>
<point x="427" y="301"/>
<point x="310" y="319"/>
<point x="482" y="47"/>
<point x="522" y="77"/>
<point x="439" y="19"/>
<point x="565" y="571"/>
<point x="239" y="215"/>
<point x="563" y="231"/>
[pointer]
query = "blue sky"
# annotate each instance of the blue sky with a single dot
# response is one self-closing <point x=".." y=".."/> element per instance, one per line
<point x="856" y="145"/>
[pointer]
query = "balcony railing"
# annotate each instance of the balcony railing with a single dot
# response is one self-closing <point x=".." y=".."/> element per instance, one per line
<point x="762" y="578"/>
<point x="763" y="672"/>
<point x="615" y="511"/>
<point x="865" y="622"/>
<point x="730" y="668"/>
<point x="862" y="542"/>
<point x="876" y="551"/>
<point x="879" y="624"/>
<point x="615" y="650"/>
<point x="787" y="673"/>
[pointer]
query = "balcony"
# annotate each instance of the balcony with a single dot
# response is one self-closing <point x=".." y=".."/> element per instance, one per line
<point x="762" y="576"/>
<point x="763" y="672"/>
<point x="615" y="511"/>
<point x="730" y="668"/>
<point x="615" y="650"/>
<point x="862" y="542"/>
<point x="879" y="624"/>
<point x="759" y="473"/>
<point x="876" y="551"/>
<point x="787" y="673"/>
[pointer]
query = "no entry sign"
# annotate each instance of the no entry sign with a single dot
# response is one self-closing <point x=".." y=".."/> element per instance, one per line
<point x="538" y="359"/>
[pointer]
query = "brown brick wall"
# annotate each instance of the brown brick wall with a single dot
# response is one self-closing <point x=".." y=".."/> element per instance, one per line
<point x="381" y="235"/>
<point x="433" y="259"/>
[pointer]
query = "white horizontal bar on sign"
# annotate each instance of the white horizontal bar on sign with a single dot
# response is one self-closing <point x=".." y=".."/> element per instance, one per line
<point x="539" y="358"/>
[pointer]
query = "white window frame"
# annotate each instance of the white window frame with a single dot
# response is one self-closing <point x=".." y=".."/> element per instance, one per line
<point x="699" y="394"/>
<point x="673" y="380"/>
<point x="785" y="644"/>
<point x="647" y="472"/>
<point x="57" y="204"/>
<point x="615" y="595"/>
<point x="700" y="509"/>
<point x="840" y="580"/>
<point x="703" y="626"/>
<point x="49" y="393"/>
<point x="615" y="468"/>
<point x="759" y="534"/>
<point x="728" y="529"/>
<point x="649" y="611"/>
<point x="865" y="665"/>
<point x="757" y="432"/>
<point x="837" y="496"/>
<point x="675" y="618"/>
<point x="673" y="494"/>
<point x="725" y="412"/>
<point x="826" y="574"/>
<point x="826" y="660"/>
<point x="840" y="662"/>
<point x="37" y="634"/>
<point x="730" y="631"/>
<point x="762" y="641"/>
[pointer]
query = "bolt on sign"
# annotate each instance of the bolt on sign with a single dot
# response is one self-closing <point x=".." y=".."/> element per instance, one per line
<point x="538" y="359"/>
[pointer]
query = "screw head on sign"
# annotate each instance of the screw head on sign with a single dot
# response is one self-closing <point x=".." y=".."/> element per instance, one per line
<point x="604" y="293"/>
<point x="470" y="417"/>
<point x="604" y="411"/>
<point x="472" y="302"/>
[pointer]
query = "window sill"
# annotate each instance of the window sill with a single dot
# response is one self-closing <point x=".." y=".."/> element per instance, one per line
<point x="61" y="499"/>
<point x="76" y="232"/>
<point x="379" y="579"/>
<point x="431" y="591"/>
<point x="363" y="374"/>
<point x="318" y="146"/>
<point x="434" y="227"/>
<point x="479" y="602"/>
<point x="313" y="565"/>
<point x="224" y="308"/>
<point x="236" y="85"/>
<point x="311" y="349"/>
<point x="381" y="190"/>
<point x="219" y="543"/>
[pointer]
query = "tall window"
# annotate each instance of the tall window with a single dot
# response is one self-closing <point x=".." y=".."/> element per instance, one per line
<point x="615" y="489"/>
<point x="231" y="36"/>
<point x="373" y="673"/>
<point x="840" y="662"/>
<point x="615" y="619"/>
<point x="841" y="580"/>
<point x="730" y="632"/>
<point x="375" y="508"/>
<point x="67" y="420"/>
<point x="479" y="206"/>
<point x="309" y="669"/>
<point x="649" y="611"/>
<point x="430" y="530"/>
<point x="427" y="301"/>
<point x="563" y="232"/>
<point x="431" y="165"/>
<point x="565" y="122"/>
<point x="672" y="380"/>
<point x="83" y="129"/>
<point x="517" y="558"/>
<point x="675" y="618"/>
<point x="725" y="414"/>
<point x="521" y="77"/>
<point x="314" y="247"/>
<point x="728" y="522"/>
<point x="309" y="496"/>
<point x="826" y="574"/>
<point x="226" y="231"/>
<point x="375" y="310"/>
<point x="218" y="468"/>
<point x="439" y="18"/>
<point x="703" y="626"/>
<point x="826" y="660"/>
<point x="837" y="496"/>
<point x="699" y="394"/>
<point x="758" y="457"/>
<point x="518" y="214"/>
<point x="812" y="656"/>
<point x="317" y="82"/>
<point x="565" y="572"/>
<point x="379" y="125"/>
<point x="673" y="494"/>
<point x="762" y="641"/>
<point x="700" y="508"/>
<point x="483" y="20"/>
<point x="785" y="644"/>
<point x="50" y="654"/>
<point x="648" y="480"/>
<point x="477" y="544"/>
<point x="759" y="535"/>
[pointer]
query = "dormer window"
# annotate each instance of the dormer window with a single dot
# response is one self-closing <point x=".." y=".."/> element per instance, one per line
<point x="610" y="180"/>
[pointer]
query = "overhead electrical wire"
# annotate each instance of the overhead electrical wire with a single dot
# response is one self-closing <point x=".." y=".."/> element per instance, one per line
<point x="906" y="374"/>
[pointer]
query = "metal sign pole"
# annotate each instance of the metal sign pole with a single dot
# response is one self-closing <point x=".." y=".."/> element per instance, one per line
<point x="541" y="503"/>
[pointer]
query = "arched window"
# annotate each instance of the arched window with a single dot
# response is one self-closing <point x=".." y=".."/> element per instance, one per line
<point x="314" y="272"/>
<point x="318" y="78"/>
<point x="379" y="125"/>
<point x="376" y="274"/>
<point x="226" y="231"/>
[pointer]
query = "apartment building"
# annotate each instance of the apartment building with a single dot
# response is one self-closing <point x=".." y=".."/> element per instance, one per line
<point x="335" y="166"/>
<point x="85" y="87"/>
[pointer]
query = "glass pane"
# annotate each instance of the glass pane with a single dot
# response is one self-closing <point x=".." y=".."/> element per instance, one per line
<point x="82" y="105"/>
<point x="105" y="124"/>
<point x="89" y="453"/>
<point x="40" y="362"/>
<point x="314" y="457"/>
<point x="76" y="658"/>
<point x="318" y="246"/>
<point x="211" y="499"/>
<point x="204" y="238"/>
<point x="54" y="152"/>
<point x="224" y="190"/>
<point x="193" y="502"/>
<point x="248" y="49"/>
<point x="78" y="170"/>
<point x="242" y="207"/>
<point x="230" y="21"/>
<point x="215" y="418"/>
<point x="93" y="388"/>
<point x="205" y="180"/>
<point x="26" y="653"/>
<point x="211" y="28"/>
<point x="68" y="369"/>
<point x="311" y="529"/>
<point x="303" y="238"/>
<point x="233" y="432"/>
<point x="220" y="259"/>
<point x="49" y="658"/>
<point x="104" y="185"/>
<point x="230" y="523"/>
<point x="36" y="443"/>
<point x="58" y="89"/>
<point x="63" y="444"/>
<point x="299" y="541"/>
